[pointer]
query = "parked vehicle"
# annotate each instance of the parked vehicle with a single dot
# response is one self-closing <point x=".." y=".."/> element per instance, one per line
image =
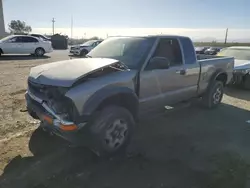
<point x="200" y="50"/>
<point x="83" y="49"/>
<point x="41" y="37"/>
<point x="95" y="101"/>
<point x="59" y="41"/>
<point x="212" y="51"/>
<point x="241" y="74"/>
<point x="24" y="44"/>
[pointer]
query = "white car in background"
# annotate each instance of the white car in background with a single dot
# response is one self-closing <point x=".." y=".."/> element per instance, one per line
<point x="241" y="73"/>
<point x="24" y="44"/>
<point x="83" y="49"/>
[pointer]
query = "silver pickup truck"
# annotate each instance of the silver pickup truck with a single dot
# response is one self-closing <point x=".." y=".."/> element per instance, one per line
<point x="95" y="101"/>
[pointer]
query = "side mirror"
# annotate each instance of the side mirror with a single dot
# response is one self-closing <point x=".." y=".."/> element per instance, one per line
<point x="158" y="63"/>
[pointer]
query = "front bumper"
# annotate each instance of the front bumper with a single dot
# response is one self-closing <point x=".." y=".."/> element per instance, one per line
<point x="52" y="122"/>
<point x="49" y="50"/>
<point x="72" y="51"/>
<point x="77" y="52"/>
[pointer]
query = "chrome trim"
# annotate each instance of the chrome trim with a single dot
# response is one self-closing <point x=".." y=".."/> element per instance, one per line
<point x="46" y="107"/>
<point x="34" y="97"/>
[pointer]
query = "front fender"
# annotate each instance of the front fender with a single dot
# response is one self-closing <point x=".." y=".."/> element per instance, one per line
<point x="95" y="100"/>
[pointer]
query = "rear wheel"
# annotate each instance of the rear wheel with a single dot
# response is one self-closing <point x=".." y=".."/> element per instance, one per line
<point x="213" y="95"/>
<point x="39" y="52"/>
<point x="111" y="131"/>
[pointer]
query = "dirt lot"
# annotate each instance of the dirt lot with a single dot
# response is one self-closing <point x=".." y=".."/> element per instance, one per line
<point x="191" y="148"/>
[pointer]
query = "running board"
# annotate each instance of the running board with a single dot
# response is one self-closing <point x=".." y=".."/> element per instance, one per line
<point x="169" y="109"/>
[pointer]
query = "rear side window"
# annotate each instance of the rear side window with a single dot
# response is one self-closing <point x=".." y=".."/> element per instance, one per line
<point x="29" y="39"/>
<point x="188" y="51"/>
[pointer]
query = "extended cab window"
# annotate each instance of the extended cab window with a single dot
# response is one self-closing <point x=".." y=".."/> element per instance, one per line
<point x="188" y="50"/>
<point x="170" y="49"/>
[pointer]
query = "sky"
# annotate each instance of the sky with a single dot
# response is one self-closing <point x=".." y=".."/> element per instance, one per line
<point x="205" y="19"/>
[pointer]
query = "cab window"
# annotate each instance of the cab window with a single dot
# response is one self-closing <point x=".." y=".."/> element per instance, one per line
<point x="169" y="49"/>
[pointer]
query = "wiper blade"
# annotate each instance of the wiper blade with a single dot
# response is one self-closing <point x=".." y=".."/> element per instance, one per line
<point x="88" y="56"/>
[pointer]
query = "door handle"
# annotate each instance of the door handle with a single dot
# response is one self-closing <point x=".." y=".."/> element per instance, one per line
<point x="181" y="72"/>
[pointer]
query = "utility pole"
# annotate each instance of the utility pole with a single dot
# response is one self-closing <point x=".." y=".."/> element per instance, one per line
<point x="226" y="36"/>
<point x="71" y="27"/>
<point x="53" y="26"/>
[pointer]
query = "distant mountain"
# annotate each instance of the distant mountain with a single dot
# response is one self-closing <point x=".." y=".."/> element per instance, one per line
<point x="211" y="39"/>
<point x="206" y="39"/>
<point x="246" y="40"/>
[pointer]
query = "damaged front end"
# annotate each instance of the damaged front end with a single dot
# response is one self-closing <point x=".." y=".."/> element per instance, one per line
<point x="49" y="104"/>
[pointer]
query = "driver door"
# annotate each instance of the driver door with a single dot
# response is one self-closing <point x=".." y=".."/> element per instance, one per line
<point x="163" y="85"/>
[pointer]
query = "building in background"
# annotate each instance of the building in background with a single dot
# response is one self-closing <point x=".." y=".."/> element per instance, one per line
<point x="2" y="26"/>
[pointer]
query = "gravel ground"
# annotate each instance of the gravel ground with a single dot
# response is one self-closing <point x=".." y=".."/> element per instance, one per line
<point x="191" y="147"/>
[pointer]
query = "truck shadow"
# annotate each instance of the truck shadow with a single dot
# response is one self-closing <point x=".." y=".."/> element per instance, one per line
<point x="180" y="149"/>
<point x="238" y="92"/>
<point x="21" y="57"/>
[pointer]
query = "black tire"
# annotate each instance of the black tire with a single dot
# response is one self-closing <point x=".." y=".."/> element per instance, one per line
<point x="111" y="122"/>
<point x="246" y="83"/>
<point x="39" y="52"/>
<point x="1" y="52"/>
<point x="83" y="53"/>
<point x="213" y="95"/>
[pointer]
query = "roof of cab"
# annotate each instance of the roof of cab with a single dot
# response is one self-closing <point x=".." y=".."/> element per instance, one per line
<point x="154" y="36"/>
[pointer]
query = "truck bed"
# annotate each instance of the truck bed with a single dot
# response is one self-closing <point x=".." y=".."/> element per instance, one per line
<point x="210" y="63"/>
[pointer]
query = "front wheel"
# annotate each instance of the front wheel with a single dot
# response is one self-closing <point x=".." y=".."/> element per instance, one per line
<point x="83" y="53"/>
<point x="214" y="94"/>
<point x="111" y="131"/>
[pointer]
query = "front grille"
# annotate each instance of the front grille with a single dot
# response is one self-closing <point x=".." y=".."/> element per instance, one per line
<point x="38" y="90"/>
<point x="74" y="48"/>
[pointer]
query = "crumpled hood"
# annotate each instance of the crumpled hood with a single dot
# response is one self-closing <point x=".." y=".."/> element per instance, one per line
<point x="241" y="64"/>
<point x="65" y="73"/>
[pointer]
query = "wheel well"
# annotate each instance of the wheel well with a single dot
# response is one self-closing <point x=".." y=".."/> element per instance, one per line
<point x="1" y="51"/>
<point x="127" y="101"/>
<point x="222" y="77"/>
<point x="84" y="50"/>
<point x="40" y="48"/>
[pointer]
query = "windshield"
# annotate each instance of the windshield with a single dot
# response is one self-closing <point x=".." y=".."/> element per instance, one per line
<point x="88" y="43"/>
<point x="237" y="53"/>
<point x="129" y="50"/>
